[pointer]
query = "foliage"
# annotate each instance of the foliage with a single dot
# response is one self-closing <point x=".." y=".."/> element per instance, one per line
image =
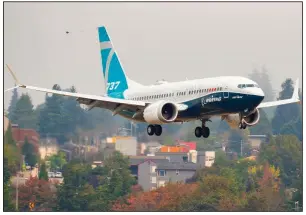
<point x="285" y="153"/>
<point x="87" y="189"/>
<point x="287" y="118"/>
<point x="11" y="152"/>
<point x="38" y="191"/>
<point x="43" y="175"/>
<point x="168" y="198"/>
<point x="58" y="160"/>
<point x="12" y="106"/>
<point x="23" y="114"/>
<point x="29" y="152"/>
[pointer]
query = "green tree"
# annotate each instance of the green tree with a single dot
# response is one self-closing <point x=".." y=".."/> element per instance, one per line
<point x="29" y="153"/>
<point x="43" y="175"/>
<point x="12" y="106"/>
<point x="264" y="126"/>
<point x="58" y="160"/>
<point x="286" y="113"/>
<point x="7" y="200"/>
<point x="284" y="152"/>
<point x="23" y="114"/>
<point x="50" y="118"/>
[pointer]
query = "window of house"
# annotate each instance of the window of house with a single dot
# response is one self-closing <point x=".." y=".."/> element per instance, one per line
<point x="162" y="173"/>
<point x="153" y="179"/>
<point x="161" y="183"/>
<point x="177" y="172"/>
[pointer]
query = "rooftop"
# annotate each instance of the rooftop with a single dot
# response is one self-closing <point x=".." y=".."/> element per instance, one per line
<point x="136" y="160"/>
<point x="178" y="166"/>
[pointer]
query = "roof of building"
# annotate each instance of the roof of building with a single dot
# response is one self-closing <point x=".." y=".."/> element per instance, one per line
<point x="136" y="160"/>
<point x="170" y="153"/>
<point x="153" y="144"/>
<point x="19" y="135"/>
<point x="178" y="166"/>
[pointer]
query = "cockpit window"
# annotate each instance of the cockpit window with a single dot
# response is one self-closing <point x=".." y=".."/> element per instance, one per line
<point x="247" y="85"/>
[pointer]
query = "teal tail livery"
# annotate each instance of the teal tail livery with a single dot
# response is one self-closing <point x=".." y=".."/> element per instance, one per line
<point x="234" y="99"/>
<point x="116" y="81"/>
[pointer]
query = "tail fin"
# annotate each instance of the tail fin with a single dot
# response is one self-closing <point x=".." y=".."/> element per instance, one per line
<point x="116" y="82"/>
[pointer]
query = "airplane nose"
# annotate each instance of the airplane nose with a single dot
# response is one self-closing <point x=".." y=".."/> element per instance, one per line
<point x="261" y="92"/>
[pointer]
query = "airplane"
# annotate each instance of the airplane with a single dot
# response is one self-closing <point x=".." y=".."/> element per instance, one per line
<point x="235" y="99"/>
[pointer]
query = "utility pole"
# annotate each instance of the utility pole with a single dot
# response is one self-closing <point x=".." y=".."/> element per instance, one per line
<point x="241" y="148"/>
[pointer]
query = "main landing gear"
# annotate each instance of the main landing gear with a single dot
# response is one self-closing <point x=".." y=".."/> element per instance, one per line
<point x="202" y="131"/>
<point x="154" y="129"/>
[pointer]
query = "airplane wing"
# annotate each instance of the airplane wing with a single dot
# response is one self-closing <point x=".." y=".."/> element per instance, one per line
<point x="113" y="104"/>
<point x="293" y="99"/>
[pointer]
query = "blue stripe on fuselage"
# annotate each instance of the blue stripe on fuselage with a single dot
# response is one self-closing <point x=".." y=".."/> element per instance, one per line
<point x="216" y="103"/>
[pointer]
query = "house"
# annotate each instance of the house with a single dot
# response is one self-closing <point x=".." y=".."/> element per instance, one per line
<point x="174" y="172"/>
<point x="127" y="146"/>
<point x="206" y="158"/>
<point x="256" y="140"/>
<point x="19" y="135"/>
<point x="147" y="177"/>
<point x="136" y="160"/>
<point x="153" y="147"/>
<point x="174" y="156"/>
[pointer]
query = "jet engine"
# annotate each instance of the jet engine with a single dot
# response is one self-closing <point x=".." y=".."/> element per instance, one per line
<point x="160" y="112"/>
<point x="249" y="119"/>
<point x="252" y="118"/>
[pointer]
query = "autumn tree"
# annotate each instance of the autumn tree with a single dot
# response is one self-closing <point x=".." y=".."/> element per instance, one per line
<point x="39" y="192"/>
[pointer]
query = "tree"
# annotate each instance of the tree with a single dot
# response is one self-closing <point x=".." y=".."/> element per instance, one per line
<point x="50" y="118"/>
<point x="12" y="106"/>
<point x="58" y="160"/>
<point x="43" y="175"/>
<point x="168" y="198"/>
<point x="28" y="150"/>
<point x="7" y="200"/>
<point x="11" y="152"/>
<point x="39" y="192"/>
<point x="23" y="114"/>
<point x="286" y="113"/>
<point x="264" y="125"/>
<point x="285" y="153"/>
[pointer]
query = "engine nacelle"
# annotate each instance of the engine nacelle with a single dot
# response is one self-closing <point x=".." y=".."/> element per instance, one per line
<point x="160" y="112"/>
<point x="250" y="119"/>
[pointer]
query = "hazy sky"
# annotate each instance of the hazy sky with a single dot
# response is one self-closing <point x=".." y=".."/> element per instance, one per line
<point x="154" y="41"/>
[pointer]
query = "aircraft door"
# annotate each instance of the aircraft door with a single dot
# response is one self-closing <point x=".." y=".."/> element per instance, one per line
<point x="225" y="93"/>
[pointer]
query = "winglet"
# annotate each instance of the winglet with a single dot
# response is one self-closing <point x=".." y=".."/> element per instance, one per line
<point x="295" y="94"/>
<point x="15" y="78"/>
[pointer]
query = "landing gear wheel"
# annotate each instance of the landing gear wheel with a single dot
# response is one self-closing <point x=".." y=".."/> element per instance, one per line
<point x="206" y="132"/>
<point x="158" y="130"/>
<point x="198" y="132"/>
<point x="244" y="126"/>
<point x="150" y="130"/>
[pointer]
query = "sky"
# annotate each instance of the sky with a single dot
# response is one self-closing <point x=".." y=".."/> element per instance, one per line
<point x="154" y="41"/>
